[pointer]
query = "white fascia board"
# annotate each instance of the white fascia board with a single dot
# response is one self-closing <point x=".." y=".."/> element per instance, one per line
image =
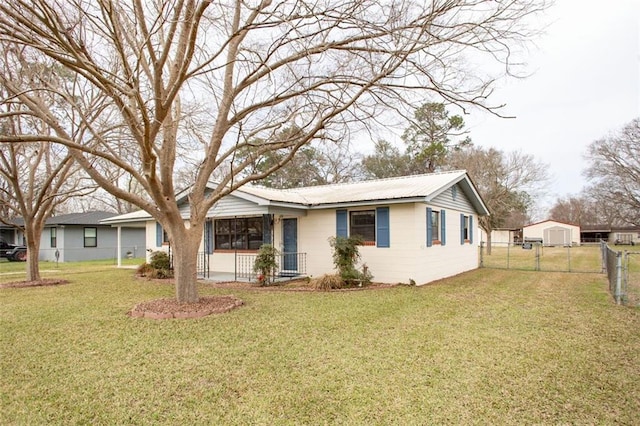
<point x="368" y="203"/>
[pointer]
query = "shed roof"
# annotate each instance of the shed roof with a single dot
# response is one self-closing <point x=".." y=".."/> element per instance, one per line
<point x="551" y="221"/>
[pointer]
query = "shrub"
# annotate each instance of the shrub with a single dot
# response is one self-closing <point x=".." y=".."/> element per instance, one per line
<point x="160" y="260"/>
<point x="144" y="270"/>
<point x="159" y="274"/>
<point x="328" y="282"/>
<point x="345" y="257"/>
<point x="266" y="264"/>
<point x="158" y="267"/>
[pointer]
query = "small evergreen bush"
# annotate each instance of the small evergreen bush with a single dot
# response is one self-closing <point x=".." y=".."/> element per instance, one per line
<point x="159" y="266"/>
<point x="160" y="260"/>
<point x="266" y="263"/>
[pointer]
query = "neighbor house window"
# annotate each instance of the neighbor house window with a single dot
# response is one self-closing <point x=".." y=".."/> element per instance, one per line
<point x="54" y="237"/>
<point x="363" y="224"/>
<point x="91" y="237"/>
<point x="243" y="233"/>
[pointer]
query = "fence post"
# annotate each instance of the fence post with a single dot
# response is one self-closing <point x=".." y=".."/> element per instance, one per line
<point x="618" y="292"/>
<point x="481" y="253"/>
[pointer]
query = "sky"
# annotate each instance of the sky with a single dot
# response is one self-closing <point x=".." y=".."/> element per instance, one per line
<point x="585" y="84"/>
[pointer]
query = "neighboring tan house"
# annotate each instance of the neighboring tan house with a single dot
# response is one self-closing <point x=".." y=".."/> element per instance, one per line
<point x="419" y="228"/>
<point x="552" y="233"/>
<point x="81" y="236"/>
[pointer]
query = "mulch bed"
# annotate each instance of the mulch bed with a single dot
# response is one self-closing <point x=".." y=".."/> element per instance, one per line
<point x="38" y="283"/>
<point x="170" y="308"/>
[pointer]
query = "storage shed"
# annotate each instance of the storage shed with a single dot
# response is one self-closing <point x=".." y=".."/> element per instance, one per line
<point x="552" y="233"/>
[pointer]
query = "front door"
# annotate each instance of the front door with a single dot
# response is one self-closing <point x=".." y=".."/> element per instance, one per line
<point x="290" y="245"/>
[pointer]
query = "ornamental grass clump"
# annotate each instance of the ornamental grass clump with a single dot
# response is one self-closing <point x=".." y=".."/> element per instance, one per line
<point x="328" y="282"/>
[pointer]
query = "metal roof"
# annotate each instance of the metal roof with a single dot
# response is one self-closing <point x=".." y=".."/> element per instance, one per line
<point x="422" y="188"/>
<point x="425" y="187"/>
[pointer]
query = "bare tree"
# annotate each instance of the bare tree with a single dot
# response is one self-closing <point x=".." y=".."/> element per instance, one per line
<point x="221" y="74"/>
<point x="38" y="179"/>
<point x="579" y="210"/>
<point x="39" y="175"/>
<point x="317" y="163"/>
<point x="507" y="182"/>
<point x="386" y="161"/>
<point x="615" y="172"/>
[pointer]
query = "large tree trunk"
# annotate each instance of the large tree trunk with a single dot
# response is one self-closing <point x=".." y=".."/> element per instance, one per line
<point x="33" y="253"/>
<point x="485" y="224"/>
<point x="489" y="242"/>
<point x="185" y="259"/>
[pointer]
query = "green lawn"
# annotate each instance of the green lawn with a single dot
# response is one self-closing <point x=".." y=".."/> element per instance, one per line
<point x="486" y="347"/>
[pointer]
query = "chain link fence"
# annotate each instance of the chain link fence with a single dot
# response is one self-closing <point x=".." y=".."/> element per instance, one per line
<point x="533" y="256"/>
<point x="622" y="267"/>
<point x="623" y="273"/>
<point x="631" y="278"/>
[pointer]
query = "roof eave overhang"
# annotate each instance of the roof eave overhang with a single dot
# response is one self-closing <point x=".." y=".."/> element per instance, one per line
<point x="363" y="203"/>
<point x="122" y="222"/>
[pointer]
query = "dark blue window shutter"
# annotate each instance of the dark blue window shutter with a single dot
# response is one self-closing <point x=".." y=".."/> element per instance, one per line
<point x="461" y="228"/>
<point x="208" y="233"/>
<point x="429" y="228"/>
<point x="266" y="229"/>
<point x="159" y="234"/>
<point x="471" y="229"/>
<point x="382" y="227"/>
<point x="341" y="223"/>
<point x="443" y="227"/>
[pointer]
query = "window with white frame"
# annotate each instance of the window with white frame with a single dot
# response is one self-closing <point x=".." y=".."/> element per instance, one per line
<point x="54" y="237"/>
<point x="91" y="237"/>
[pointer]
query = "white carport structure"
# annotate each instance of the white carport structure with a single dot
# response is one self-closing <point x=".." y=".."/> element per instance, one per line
<point x="137" y="219"/>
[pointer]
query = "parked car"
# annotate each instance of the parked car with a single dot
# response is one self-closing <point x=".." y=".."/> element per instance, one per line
<point x="12" y="252"/>
<point x="5" y="248"/>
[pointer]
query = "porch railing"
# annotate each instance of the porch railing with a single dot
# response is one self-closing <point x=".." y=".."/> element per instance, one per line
<point x="290" y="265"/>
<point x="203" y="264"/>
